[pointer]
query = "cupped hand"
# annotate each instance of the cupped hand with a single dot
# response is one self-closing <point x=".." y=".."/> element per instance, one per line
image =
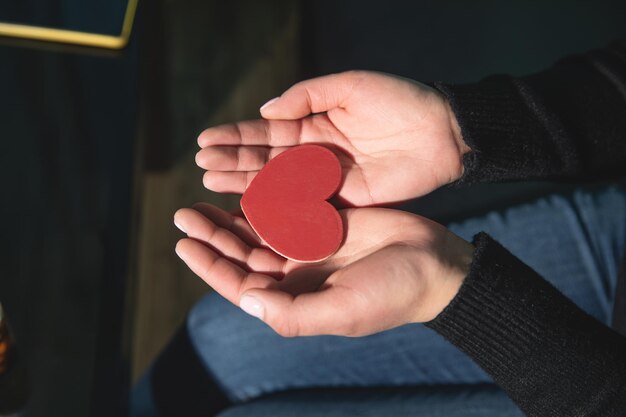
<point x="397" y="139"/>
<point x="393" y="268"/>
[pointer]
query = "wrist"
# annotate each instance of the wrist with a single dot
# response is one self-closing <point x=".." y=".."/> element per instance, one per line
<point x="452" y="265"/>
<point x="455" y="128"/>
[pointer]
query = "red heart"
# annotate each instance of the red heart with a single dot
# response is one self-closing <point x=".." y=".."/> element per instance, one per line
<point x="286" y="204"/>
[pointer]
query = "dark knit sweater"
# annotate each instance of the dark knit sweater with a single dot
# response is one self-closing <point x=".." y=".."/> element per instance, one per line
<point x="568" y="122"/>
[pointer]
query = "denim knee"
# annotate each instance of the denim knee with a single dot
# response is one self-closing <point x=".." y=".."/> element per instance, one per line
<point x="211" y="315"/>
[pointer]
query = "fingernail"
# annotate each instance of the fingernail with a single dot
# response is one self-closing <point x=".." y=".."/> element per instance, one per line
<point x="269" y="103"/>
<point x="178" y="252"/>
<point x="252" y="306"/>
<point x="179" y="227"/>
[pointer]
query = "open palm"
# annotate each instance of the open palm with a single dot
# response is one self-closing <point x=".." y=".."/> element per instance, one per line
<point x="396" y="139"/>
<point x="380" y="278"/>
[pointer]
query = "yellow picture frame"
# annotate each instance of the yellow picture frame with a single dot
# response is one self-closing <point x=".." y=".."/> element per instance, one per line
<point x="72" y="37"/>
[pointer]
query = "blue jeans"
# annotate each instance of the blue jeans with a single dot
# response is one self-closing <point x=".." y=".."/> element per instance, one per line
<point x="576" y="242"/>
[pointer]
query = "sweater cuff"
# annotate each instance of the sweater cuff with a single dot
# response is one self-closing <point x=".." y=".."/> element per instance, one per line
<point x="536" y="344"/>
<point x="498" y="121"/>
<point x="488" y="318"/>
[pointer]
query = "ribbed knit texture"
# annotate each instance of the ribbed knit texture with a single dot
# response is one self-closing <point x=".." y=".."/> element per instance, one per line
<point x="548" y="355"/>
<point x="568" y="122"/>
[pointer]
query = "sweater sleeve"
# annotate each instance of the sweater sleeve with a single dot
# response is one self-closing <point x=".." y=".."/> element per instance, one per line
<point x="568" y="122"/>
<point x="549" y="356"/>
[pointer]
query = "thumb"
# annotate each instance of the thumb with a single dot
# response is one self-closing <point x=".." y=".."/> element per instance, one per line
<point x="306" y="314"/>
<point x="316" y="95"/>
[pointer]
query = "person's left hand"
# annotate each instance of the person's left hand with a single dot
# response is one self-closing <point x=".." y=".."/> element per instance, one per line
<point x="393" y="268"/>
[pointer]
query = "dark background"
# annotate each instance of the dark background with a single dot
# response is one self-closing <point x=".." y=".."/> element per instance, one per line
<point x="96" y="149"/>
<point x="95" y="16"/>
<point x="68" y="128"/>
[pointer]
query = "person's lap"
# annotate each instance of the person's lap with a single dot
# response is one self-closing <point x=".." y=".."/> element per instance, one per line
<point x="575" y="242"/>
<point x="466" y="401"/>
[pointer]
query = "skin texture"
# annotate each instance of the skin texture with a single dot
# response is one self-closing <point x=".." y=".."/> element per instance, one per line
<point x="393" y="268"/>
<point x="396" y="139"/>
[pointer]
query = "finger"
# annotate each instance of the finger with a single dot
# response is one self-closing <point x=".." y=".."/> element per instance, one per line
<point x="272" y="133"/>
<point x="235" y="223"/>
<point x="309" y="314"/>
<point x="236" y="158"/>
<point x="238" y="212"/>
<point x="312" y="96"/>
<point x="199" y="227"/>
<point x="228" y="244"/>
<point x="228" y="182"/>
<point x="275" y="133"/>
<point x="223" y="276"/>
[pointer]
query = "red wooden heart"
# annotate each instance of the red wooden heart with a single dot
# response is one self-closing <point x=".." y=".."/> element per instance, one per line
<point x="286" y="204"/>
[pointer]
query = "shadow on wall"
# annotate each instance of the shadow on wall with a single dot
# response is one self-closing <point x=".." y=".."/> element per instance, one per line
<point x="193" y="54"/>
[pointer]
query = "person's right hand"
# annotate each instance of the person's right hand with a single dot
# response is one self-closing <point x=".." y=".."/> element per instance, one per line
<point x="397" y="139"/>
